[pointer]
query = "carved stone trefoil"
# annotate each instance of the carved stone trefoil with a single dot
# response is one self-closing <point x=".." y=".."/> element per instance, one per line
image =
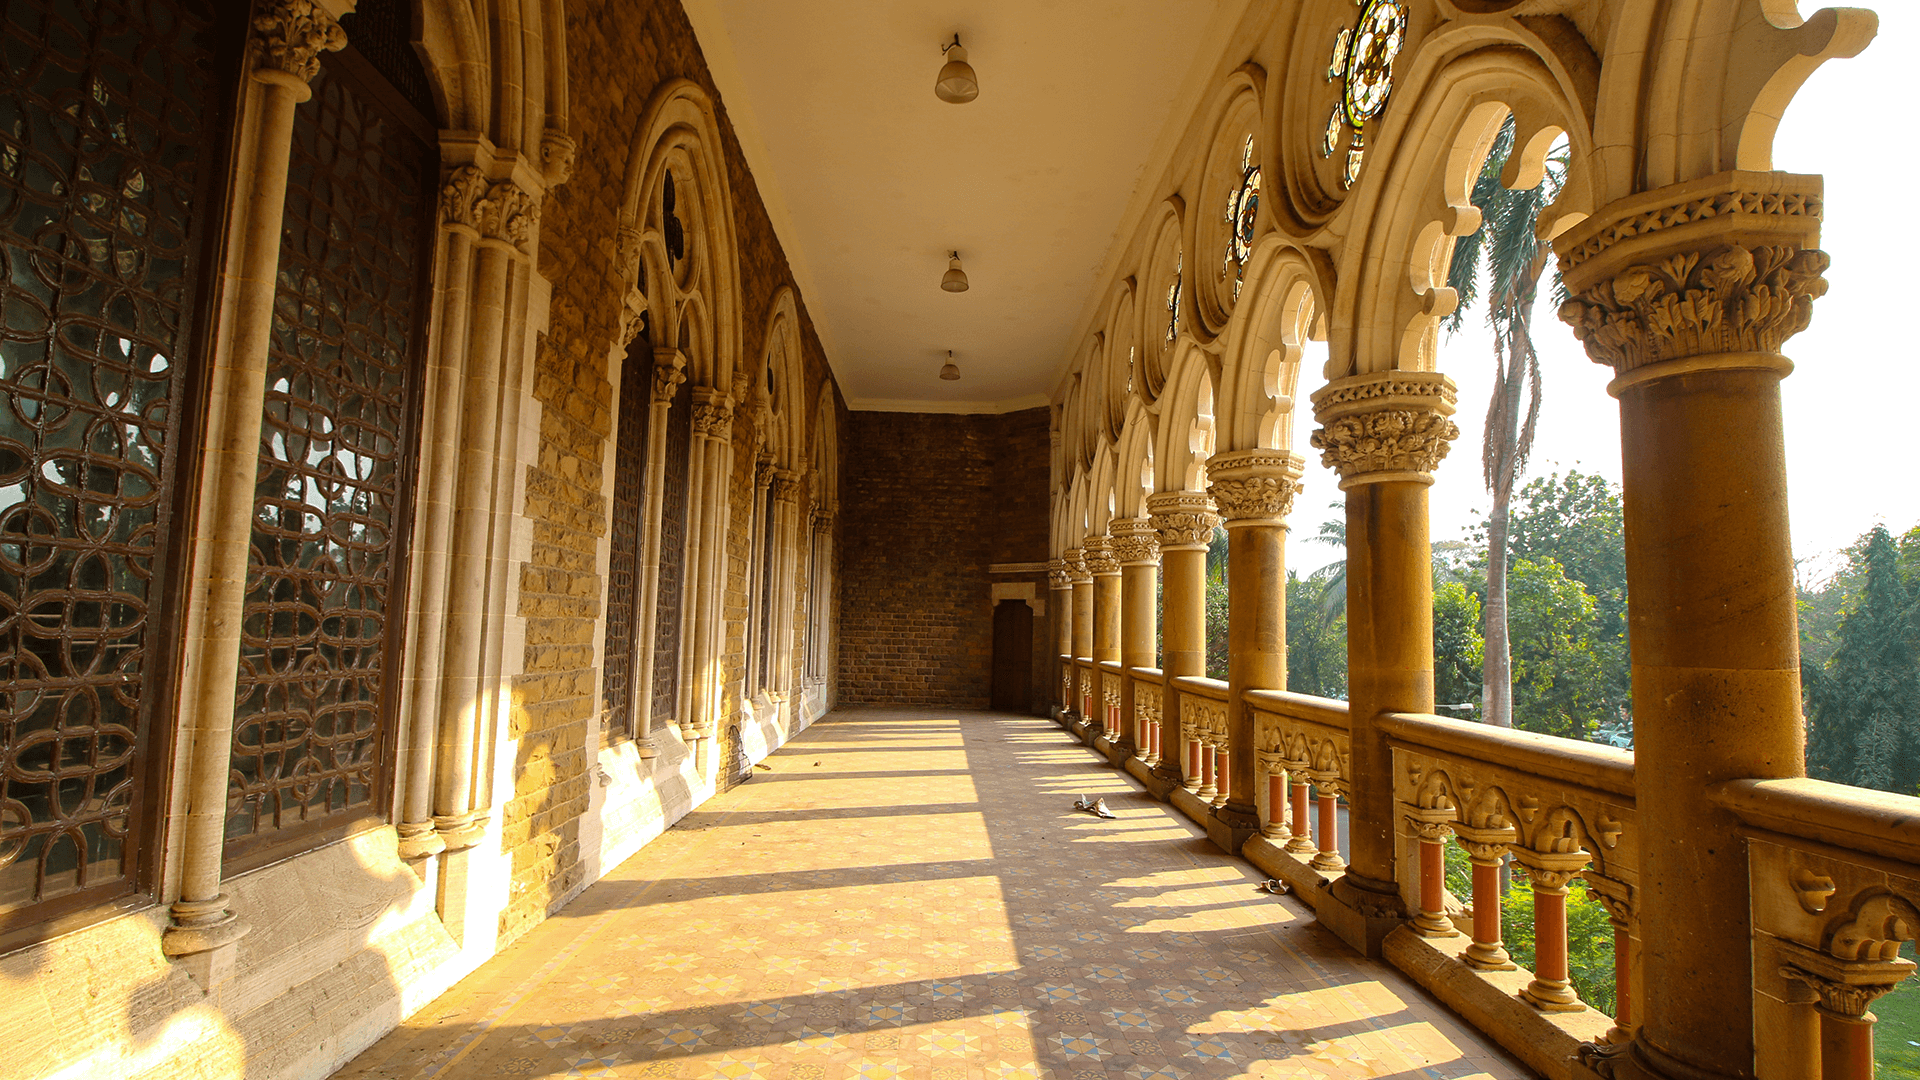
<point x="1254" y="486"/>
<point x="1385" y="426"/>
<point x="290" y="35"/>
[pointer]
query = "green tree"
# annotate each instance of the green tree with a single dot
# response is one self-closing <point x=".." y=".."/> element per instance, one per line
<point x="1217" y="605"/>
<point x="1457" y="646"/>
<point x="1557" y="668"/>
<point x="1509" y="245"/>
<point x="1576" y="520"/>
<point x="1864" y="720"/>
<point x="1316" y="640"/>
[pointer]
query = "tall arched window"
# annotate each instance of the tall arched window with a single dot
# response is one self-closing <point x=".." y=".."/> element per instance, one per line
<point x="313" y="719"/>
<point x="627" y="542"/>
<point x="112" y="147"/>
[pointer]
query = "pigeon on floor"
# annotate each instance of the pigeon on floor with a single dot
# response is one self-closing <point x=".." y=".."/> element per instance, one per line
<point x="1096" y="807"/>
<point x="1274" y="886"/>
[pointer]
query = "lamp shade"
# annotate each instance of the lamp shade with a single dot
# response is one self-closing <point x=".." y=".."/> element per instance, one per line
<point x="955" y="279"/>
<point x="949" y="372"/>
<point x="957" y="83"/>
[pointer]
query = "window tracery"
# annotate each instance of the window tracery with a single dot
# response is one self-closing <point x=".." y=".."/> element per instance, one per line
<point x="1243" y="209"/>
<point x="1362" y="62"/>
<point x="1173" y="298"/>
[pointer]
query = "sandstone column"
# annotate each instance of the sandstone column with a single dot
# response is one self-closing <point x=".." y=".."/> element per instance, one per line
<point x="1082" y="609"/>
<point x="1060" y="606"/>
<point x="1137" y="548"/>
<point x="1185" y="522"/>
<point x="1692" y="316"/>
<point x="1097" y="551"/>
<point x="1384" y="432"/>
<point x="1254" y="490"/>
<point x="283" y="55"/>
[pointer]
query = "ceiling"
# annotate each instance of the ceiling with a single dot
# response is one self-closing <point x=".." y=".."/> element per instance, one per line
<point x="870" y="179"/>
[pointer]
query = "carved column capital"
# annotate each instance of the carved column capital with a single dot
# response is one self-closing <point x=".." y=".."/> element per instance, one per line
<point x="1254" y="487"/>
<point x="669" y="371"/>
<point x="712" y="413"/>
<point x="502" y="211"/>
<point x="1185" y="520"/>
<point x="1097" y="552"/>
<point x="1385" y="426"/>
<point x="1076" y="567"/>
<point x="1057" y="577"/>
<point x="1135" y="543"/>
<point x="1432" y="826"/>
<point x="1552" y="870"/>
<point x="460" y="196"/>
<point x="1842" y="989"/>
<point x="1485" y="846"/>
<point x="786" y="487"/>
<point x="1614" y="895"/>
<point x="1711" y="273"/>
<point x="290" y="35"/>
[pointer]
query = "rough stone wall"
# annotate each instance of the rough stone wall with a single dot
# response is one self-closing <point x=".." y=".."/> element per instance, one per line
<point x="929" y="502"/>
<point x="618" y="54"/>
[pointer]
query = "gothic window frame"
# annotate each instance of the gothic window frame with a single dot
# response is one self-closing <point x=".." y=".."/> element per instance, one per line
<point x="151" y="754"/>
<point x="258" y="848"/>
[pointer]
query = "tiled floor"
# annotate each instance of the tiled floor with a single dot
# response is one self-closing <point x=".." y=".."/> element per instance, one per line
<point x="909" y="894"/>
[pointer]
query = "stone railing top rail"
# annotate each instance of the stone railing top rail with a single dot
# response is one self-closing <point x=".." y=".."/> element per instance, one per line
<point x="1200" y="686"/>
<point x="1875" y="823"/>
<point x="1314" y="710"/>
<point x="1112" y="666"/>
<point x="1585" y="764"/>
<point x="1147" y="674"/>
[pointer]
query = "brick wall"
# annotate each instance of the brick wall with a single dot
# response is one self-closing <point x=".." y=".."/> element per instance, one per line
<point x="928" y="502"/>
<point x="617" y="55"/>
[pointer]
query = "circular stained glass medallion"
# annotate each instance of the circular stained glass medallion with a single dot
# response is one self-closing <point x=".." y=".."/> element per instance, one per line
<point x="1377" y="41"/>
<point x="1243" y="208"/>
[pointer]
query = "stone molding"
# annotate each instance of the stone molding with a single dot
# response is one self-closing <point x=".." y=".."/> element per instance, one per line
<point x="1843" y="988"/>
<point x="1385" y="426"/>
<point x="1135" y="542"/>
<point x="290" y="35"/>
<point x="1185" y="520"/>
<point x="1254" y="487"/>
<point x="1551" y="871"/>
<point x="1717" y="200"/>
<point x="1097" y="553"/>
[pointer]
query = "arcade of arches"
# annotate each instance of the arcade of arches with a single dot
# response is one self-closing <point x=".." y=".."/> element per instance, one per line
<point x="423" y="484"/>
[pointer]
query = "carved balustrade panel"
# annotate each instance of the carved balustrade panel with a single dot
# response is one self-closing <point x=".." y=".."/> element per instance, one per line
<point x="1283" y="741"/>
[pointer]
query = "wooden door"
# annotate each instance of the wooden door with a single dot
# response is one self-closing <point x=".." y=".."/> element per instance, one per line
<point x="1012" y="656"/>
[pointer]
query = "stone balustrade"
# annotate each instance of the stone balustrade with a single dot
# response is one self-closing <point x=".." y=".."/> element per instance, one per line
<point x="1834" y="881"/>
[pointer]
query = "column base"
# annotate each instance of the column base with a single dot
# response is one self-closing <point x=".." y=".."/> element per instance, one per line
<point x="1635" y="1061"/>
<point x="1229" y="833"/>
<point x="419" y="840"/>
<point x="1362" y="917"/>
<point x="460" y="831"/>
<point x="201" y="926"/>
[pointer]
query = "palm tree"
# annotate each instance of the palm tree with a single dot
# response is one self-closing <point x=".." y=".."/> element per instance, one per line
<point x="1510" y="246"/>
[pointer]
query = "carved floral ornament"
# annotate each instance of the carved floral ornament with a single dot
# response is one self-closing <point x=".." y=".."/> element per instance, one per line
<point x="1726" y="299"/>
<point x="1385" y="426"/>
<point x="786" y="487"/>
<point x="1097" y="552"/>
<point x="667" y="377"/>
<point x="1057" y="577"/>
<point x="290" y="35"/>
<point x="1076" y="567"/>
<point x="1135" y="543"/>
<point x="501" y="211"/>
<point x="1254" y="485"/>
<point x="1183" y="519"/>
<point x="713" y="415"/>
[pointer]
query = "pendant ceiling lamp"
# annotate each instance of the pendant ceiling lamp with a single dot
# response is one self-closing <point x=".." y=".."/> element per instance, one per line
<point x="957" y="83"/>
<point x="955" y="279"/>
<point x="950" y="372"/>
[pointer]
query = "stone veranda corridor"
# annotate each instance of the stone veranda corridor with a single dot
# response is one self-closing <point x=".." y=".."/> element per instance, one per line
<point x="909" y="894"/>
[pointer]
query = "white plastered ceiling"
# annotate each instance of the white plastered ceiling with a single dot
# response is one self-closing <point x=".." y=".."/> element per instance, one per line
<point x="870" y="179"/>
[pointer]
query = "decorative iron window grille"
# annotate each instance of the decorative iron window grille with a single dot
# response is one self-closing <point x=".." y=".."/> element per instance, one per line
<point x="627" y="538"/>
<point x="320" y="635"/>
<point x="113" y="122"/>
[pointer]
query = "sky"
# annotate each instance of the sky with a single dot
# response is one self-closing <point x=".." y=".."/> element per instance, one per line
<point x="1856" y="385"/>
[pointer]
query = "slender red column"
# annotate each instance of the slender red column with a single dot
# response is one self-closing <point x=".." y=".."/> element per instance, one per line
<point x="1430" y="827"/>
<point x="1551" y="990"/>
<point x="1487" y="848"/>
<point x="1223" y="779"/>
<point x="1302" y="842"/>
<point x="1846" y="1047"/>
<point x="1329" y="831"/>
<point x="1276" y="827"/>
